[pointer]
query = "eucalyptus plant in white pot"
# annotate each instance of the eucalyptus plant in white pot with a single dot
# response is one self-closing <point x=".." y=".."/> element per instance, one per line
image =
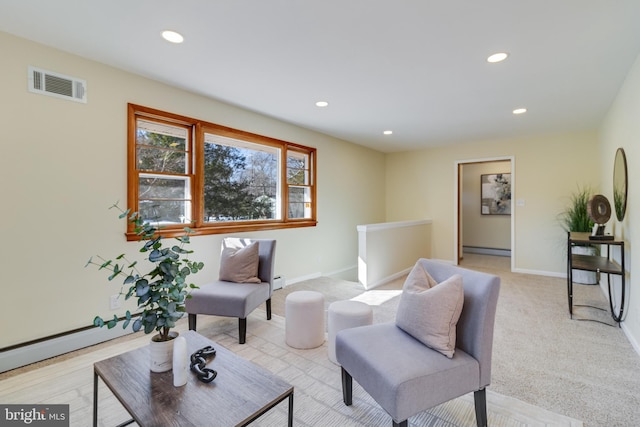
<point x="161" y="290"/>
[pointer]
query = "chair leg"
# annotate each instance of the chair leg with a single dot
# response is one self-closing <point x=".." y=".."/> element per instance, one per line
<point x="242" y="326"/>
<point x="347" y="387"/>
<point x="269" y="309"/>
<point x="192" y="322"/>
<point x="480" y="399"/>
<point x="404" y="423"/>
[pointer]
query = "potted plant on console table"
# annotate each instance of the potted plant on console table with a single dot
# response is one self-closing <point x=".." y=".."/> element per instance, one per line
<point x="575" y="218"/>
<point x="161" y="291"/>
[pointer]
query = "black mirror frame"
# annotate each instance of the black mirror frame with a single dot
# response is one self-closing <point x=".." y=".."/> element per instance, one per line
<point x="620" y="193"/>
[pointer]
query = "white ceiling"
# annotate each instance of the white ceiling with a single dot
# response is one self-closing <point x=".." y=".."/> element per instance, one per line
<point x="417" y="67"/>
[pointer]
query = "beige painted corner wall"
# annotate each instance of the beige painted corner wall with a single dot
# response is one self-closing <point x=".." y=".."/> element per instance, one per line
<point x="478" y="230"/>
<point x="421" y="184"/>
<point x="622" y="129"/>
<point x="64" y="163"/>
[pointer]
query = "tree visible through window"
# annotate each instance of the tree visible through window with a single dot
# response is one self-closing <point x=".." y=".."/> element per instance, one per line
<point x="240" y="180"/>
<point x="214" y="178"/>
<point x="163" y="162"/>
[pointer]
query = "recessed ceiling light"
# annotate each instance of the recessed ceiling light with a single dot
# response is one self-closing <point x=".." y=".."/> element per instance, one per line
<point x="497" y="57"/>
<point x="519" y="111"/>
<point x="322" y="104"/>
<point x="172" y="36"/>
<point x="388" y="132"/>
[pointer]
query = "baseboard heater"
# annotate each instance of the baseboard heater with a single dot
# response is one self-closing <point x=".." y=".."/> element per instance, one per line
<point x="35" y="351"/>
<point x="486" y="251"/>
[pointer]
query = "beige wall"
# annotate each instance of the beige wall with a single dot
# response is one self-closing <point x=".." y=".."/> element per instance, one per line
<point x="622" y="129"/>
<point x="546" y="169"/>
<point x="482" y="231"/>
<point x="64" y="163"/>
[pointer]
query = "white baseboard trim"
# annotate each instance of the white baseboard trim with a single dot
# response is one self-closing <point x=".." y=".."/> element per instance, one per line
<point x="351" y="270"/>
<point x="387" y="279"/>
<point x="48" y="348"/>
<point x="630" y="337"/>
<point x="540" y="273"/>
<point x="302" y="278"/>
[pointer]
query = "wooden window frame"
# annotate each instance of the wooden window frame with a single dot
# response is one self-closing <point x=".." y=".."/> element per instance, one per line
<point x="197" y="132"/>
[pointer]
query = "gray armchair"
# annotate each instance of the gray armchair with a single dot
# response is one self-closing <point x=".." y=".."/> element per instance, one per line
<point x="230" y="299"/>
<point x="405" y="376"/>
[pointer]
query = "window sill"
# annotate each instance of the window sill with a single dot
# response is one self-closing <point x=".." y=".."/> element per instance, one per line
<point x="177" y="231"/>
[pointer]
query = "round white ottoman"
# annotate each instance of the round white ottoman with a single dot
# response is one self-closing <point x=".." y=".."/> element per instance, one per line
<point x="304" y="319"/>
<point x="343" y="315"/>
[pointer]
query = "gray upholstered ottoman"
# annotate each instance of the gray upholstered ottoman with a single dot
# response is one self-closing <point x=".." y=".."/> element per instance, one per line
<point x="304" y="319"/>
<point x="344" y="315"/>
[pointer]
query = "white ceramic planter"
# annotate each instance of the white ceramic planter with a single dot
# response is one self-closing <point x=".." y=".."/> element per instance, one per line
<point x="161" y="353"/>
<point x="581" y="276"/>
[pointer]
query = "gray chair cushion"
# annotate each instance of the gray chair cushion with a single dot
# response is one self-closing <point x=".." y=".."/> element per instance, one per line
<point x="227" y="298"/>
<point x="400" y="373"/>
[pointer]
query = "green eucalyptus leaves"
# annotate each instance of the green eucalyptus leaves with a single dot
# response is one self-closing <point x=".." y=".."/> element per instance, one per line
<point x="162" y="290"/>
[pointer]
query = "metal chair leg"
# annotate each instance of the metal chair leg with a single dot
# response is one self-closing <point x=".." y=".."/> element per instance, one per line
<point x="347" y="388"/>
<point x="480" y="399"/>
<point x="242" y="326"/>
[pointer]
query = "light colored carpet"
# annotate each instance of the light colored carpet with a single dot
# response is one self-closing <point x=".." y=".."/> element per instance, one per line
<point x="318" y="392"/>
<point x="581" y="369"/>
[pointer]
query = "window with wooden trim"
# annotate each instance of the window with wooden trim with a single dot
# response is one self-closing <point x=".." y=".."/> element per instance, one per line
<point x="215" y="179"/>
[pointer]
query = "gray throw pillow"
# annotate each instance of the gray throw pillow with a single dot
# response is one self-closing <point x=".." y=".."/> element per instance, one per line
<point x="239" y="263"/>
<point x="418" y="279"/>
<point x="430" y="314"/>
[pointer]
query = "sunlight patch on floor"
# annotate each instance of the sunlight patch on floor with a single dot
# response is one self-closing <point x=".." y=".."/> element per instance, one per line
<point x="377" y="297"/>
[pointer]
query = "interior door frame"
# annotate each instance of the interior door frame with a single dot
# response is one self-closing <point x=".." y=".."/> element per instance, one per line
<point x="457" y="234"/>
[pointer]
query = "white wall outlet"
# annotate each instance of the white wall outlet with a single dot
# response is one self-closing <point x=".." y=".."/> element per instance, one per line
<point x="114" y="302"/>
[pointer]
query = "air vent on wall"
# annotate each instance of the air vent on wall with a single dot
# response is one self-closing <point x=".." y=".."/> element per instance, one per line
<point x="54" y="84"/>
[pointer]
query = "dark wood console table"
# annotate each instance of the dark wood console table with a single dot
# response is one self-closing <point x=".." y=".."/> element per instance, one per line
<point x="597" y="263"/>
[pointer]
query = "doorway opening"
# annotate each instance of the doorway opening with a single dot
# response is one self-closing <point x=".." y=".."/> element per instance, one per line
<point x="484" y="217"/>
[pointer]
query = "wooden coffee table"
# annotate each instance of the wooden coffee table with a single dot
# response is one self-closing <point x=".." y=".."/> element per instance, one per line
<point x="241" y="392"/>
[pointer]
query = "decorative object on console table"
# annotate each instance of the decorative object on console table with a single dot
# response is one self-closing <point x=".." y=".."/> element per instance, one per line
<point x="161" y="292"/>
<point x="599" y="211"/>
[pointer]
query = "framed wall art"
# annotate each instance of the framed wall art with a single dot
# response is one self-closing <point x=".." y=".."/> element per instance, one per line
<point x="496" y="194"/>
